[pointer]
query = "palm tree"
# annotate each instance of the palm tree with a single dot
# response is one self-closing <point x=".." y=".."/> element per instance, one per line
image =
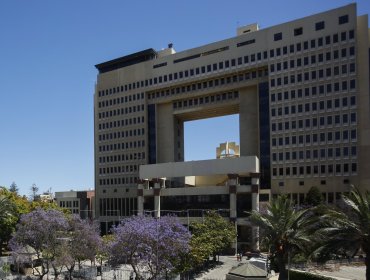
<point x="348" y="228"/>
<point x="285" y="230"/>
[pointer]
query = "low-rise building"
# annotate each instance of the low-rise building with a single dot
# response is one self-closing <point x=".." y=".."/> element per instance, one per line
<point x="78" y="202"/>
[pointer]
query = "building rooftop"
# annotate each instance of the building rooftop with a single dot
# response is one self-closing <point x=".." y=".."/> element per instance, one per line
<point x="127" y="60"/>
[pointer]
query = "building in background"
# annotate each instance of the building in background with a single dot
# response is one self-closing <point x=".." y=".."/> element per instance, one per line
<point x="78" y="202"/>
<point x="44" y="197"/>
<point x="301" y="90"/>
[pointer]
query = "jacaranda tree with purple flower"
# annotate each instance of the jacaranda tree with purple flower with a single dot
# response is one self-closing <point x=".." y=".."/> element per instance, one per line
<point x="82" y="243"/>
<point x="39" y="235"/>
<point x="151" y="246"/>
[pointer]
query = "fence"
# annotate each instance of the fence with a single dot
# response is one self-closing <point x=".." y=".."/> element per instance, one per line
<point x="126" y="273"/>
<point x="119" y="273"/>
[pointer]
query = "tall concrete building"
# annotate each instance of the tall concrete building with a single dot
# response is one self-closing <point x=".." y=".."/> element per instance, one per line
<point x="301" y="90"/>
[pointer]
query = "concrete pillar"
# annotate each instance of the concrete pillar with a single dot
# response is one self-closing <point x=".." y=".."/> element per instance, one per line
<point x="255" y="206"/>
<point x="232" y="183"/>
<point x="157" y="198"/>
<point x="140" y="197"/>
<point x="248" y="114"/>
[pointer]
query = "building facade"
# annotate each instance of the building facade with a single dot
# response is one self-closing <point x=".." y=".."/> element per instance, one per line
<point x="301" y="90"/>
<point x="81" y="203"/>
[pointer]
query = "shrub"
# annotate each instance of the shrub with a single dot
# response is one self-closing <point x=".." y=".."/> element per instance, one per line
<point x="298" y="275"/>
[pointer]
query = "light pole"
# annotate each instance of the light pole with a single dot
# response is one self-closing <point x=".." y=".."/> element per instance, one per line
<point x="236" y="238"/>
<point x="156" y="269"/>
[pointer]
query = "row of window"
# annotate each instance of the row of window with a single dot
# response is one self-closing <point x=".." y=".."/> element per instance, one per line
<point x="206" y="100"/>
<point x="122" y="146"/>
<point x="209" y="84"/>
<point x="310" y="77"/>
<point x="316" y="170"/>
<point x="68" y="204"/>
<point x="316" y="154"/>
<point x="316" y="106"/>
<point x="121" y="111"/>
<point x="121" y="123"/>
<point x="321" y="138"/>
<point x="121" y="100"/>
<point x="321" y="122"/>
<point x="121" y="134"/>
<point x="330" y="197"/>
<point x="119" y="207"/>
<point x="256" y="57"/>
<point x="121" y="157"/>
<point x="306" y="92"/>
<point x="296" y="63"/>
<point x="127" y="180"/>
<point x="328" y="40"/>
<point x="118" y="169"/>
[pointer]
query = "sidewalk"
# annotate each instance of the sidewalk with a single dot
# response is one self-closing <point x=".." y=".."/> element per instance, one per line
<point x="343" y="272"/>
<point x="220" y="271"/>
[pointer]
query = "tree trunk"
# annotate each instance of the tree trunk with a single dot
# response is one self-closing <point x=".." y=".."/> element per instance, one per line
<point x="283" y="273"/>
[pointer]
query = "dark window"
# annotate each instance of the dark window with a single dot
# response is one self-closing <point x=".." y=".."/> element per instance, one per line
<point x="343" y="19"/>
<point x="278" y="36"/>
<point x="335" y="38"/>
<point x="351" y="34"/>
<point x="320" y="25"/>
<point x="298" y="31"/>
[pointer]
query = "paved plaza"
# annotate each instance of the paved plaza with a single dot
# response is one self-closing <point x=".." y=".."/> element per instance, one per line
<point x="344" y="272"/>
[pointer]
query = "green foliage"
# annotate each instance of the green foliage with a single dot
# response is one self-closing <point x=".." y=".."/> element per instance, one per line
<point x="17" y="205"/>
<point x="286" y="231"/>
<point x="298" y="275"/>
<point x="210" y="238"/>
<point x="314" y="197"/>
<point x="346" y="230"/>
<point x="8" y="217"/>
<point x="6" y="268"/>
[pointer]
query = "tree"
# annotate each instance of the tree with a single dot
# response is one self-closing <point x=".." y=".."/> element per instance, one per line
<point x="286" y="231"/>
<point x="82" y="243"/>
<point x="313" y="197"/>
<point x="39" y="233"/>
<point x="20" y="206"/>
<point x="34" y="190"/>
<point x="348" y="229"/>
<point x="210" y="237"/>
<point x="13" y="188"/>
<point x="151" y="246"/>
<point x="7" y="217"/>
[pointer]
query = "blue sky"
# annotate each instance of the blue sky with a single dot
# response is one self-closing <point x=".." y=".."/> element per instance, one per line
<point x="47" y="74"/>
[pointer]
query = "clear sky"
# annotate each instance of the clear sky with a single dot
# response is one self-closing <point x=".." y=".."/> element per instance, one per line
<point x="48" y="50"/>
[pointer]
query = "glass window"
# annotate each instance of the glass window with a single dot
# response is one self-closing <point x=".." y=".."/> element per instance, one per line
<point x="320" y="25"/>
<point x="298" y="31"/>
<point x="343" y="19"/>
<point x="278" y="36"/>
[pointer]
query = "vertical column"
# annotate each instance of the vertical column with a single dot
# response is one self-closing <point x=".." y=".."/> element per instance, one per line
<point x="157" y="198"/>
<point x="255" y="206"/>
<point x="249" y="134"/>
<point x="232" y="183"/>
<point x="140" y="197"/>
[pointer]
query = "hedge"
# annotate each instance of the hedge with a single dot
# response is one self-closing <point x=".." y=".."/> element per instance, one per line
<point x="298" y="275"/>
